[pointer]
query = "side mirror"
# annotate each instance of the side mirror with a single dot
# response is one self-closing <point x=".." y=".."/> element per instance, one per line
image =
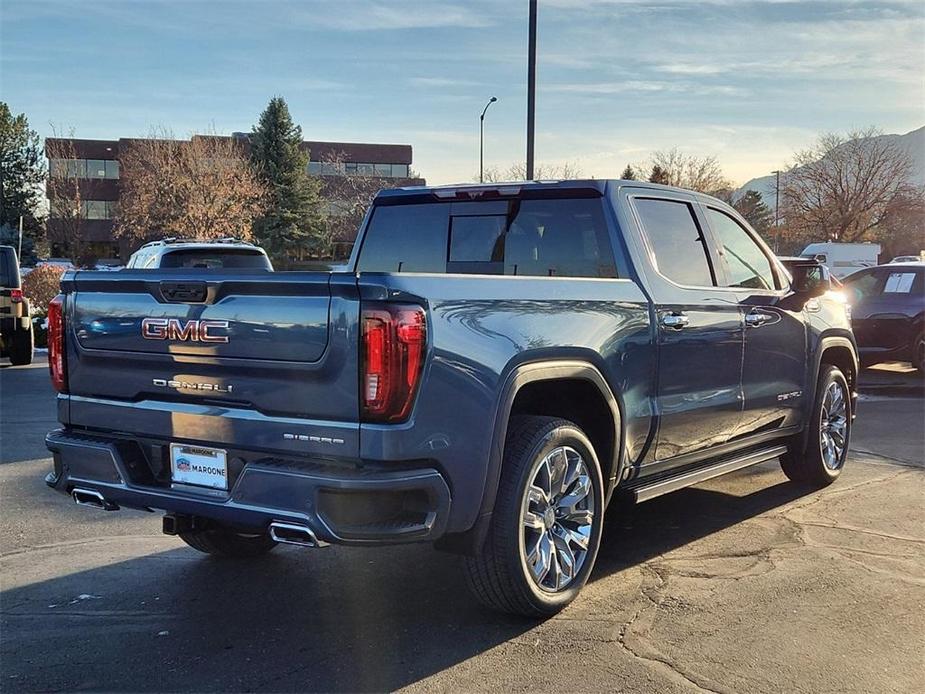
<point x="810" y="280"/>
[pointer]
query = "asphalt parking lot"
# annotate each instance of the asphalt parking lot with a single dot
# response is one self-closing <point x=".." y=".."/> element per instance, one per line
<point x="744" y="584"/>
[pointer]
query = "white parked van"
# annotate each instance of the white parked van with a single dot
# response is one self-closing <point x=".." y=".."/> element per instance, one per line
<point x="844" y="258"/>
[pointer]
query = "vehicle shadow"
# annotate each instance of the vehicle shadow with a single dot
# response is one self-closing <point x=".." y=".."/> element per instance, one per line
<point x="299" y="620"/>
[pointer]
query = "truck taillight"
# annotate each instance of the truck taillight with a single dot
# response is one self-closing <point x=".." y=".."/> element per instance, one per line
<point x="16" y="296"/>
<point x="57" y="363"/>
<point x="394" y="343"/>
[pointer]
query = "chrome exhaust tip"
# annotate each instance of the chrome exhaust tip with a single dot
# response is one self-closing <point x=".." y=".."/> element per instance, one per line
<point x="292" y="534"/>
<point x="91" y="497"/>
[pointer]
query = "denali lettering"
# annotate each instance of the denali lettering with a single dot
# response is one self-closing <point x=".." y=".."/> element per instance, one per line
<point x="188" y="385"/>
<point x="312" y="439"/>
<point x="189" y="331"/>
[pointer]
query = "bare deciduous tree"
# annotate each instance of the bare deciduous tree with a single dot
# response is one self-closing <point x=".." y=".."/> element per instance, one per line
<point x="204" y="188"/>
<point x="347" y="198"/>
<point x="67" y="219"/>
<point x="675" y="168"/>
<point x="542" y="172"/>
<point x="846" y="186"/>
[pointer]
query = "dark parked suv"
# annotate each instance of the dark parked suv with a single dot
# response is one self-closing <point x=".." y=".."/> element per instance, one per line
<point x="888" y="313"/>
<point x="494" y="367"/>
<point x="16" y="336"/>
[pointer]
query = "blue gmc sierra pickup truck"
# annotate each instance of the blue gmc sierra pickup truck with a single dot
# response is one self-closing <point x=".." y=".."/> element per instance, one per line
<point x="494" y="366"/>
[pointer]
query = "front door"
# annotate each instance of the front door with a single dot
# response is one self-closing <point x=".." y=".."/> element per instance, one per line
<point x="774" y="365"/>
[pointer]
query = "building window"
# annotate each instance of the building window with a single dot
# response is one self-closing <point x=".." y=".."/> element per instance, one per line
<point x="97" y="209"/>
<point x="353" y="168"/>
<point x="84" y="168"/>
<point x="96" y="168"/>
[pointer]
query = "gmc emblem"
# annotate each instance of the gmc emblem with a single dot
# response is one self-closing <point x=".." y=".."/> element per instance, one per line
<point x="190" y="331"/>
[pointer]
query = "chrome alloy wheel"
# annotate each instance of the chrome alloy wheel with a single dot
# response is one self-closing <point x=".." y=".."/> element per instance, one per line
<point x="557" y="512"/>
<point x="833" y="425"/>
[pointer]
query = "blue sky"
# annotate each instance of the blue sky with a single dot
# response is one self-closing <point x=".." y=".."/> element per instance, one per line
<point x="747" y="82"/>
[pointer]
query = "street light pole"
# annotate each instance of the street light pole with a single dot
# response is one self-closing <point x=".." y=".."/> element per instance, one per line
<point x="531" y="89"/>
<point x="482" y="139"/>
<point x="777" y="212"/>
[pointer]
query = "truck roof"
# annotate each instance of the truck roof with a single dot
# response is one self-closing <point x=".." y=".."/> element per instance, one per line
<point x="513" y="188"/>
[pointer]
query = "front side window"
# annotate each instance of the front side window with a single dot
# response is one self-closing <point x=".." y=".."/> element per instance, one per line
<point x="863" y="284"/>
<point x="746" y="263"/>
<point x="676" y="242"/>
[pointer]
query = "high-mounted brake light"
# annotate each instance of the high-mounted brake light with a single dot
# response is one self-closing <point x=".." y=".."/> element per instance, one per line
<point x="57" y="363"/>
<point x="16" y="296"/>
<point x="394" y="340"/>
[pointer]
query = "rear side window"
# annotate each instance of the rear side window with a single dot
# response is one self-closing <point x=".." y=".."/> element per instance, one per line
<point x="540" y="238"/>
<point x="215" y="259"/>
<point x="406" y="238"/>
<point x="903" y="283"/>
<point x="746" y="263"/>
<point x="676" y="242"/>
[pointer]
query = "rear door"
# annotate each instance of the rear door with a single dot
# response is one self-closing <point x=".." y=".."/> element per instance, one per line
<point x="774" y="366"/>
<point x="700" y="329"/>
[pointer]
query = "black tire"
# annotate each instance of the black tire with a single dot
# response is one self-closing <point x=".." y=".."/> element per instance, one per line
<point x="499" y="576"/>
<point x="225" y="542"/>
<point x="21" y="347"/>
<point x="805" y="462"/>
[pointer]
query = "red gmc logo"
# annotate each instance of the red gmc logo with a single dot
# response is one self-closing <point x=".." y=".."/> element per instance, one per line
<point x="188" y="331"/>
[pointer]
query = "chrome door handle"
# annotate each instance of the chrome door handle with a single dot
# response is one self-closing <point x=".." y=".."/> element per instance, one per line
<point x="675" y="321"/>
<point x="755" y="319"/>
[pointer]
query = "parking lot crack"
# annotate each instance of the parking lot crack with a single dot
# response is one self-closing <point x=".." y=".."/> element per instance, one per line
<point x="653" y="593"/>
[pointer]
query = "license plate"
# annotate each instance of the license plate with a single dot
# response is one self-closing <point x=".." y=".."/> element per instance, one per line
<point x="204" y="467"/>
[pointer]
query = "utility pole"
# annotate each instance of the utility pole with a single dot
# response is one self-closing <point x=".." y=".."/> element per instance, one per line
<point x="531" y="89"/>
<point x="19" y="250"/>
<point x="777" y="212"/>
<point x="482" y="139"/>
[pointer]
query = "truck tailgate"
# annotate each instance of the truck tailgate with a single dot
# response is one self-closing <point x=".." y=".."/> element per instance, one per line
<point x="251" y="347"/>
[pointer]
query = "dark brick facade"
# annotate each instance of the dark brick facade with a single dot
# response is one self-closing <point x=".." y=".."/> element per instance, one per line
<point x="100" y="231"/>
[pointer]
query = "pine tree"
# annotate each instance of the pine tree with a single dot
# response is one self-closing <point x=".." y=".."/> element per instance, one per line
<point x="628" y="174"/>
<point x="658" y="175"/>
<point x="752" y="207"/>
<point x="294" y="218"/>
<point x="22" y="172"/>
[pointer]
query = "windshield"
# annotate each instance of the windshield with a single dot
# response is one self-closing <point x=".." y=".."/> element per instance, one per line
<point x="9" y="268"/>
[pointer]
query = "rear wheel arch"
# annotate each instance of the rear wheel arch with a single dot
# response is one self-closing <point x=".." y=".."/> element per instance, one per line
<point x="573" y="390"/>
<point x="547" y="372"/>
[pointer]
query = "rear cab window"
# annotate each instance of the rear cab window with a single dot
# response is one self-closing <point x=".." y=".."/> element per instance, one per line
<point x="562" y="237"/>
